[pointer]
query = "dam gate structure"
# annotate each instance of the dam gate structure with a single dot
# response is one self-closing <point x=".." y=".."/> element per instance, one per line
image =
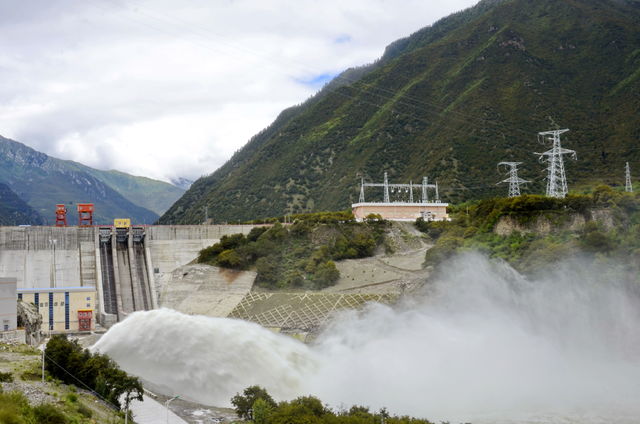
<point x="125" y="282"/>
<point x="122" y="264"/>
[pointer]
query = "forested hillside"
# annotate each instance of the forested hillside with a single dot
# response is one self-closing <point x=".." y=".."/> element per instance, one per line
<point x="14" y="211"/>
<point x="43" y="181"/>
<point x="450" y="102"/>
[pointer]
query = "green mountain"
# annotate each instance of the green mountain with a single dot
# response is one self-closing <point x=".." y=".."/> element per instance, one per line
<point x="14" y="211"/>
<point x="42" y="182"/>
<point x="450" y="102"/>
<point x="157" y="196"/>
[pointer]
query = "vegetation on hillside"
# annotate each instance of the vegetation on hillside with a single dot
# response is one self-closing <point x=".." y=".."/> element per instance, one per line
<point x="300" y="255"/>
<point x="450" y="102"/>
<point x="67" y="361"/>
<point x="43" y="181"/>
<point x="24" y="399"/>
<point x="257" y="406"/>
<point x="603" y="226"/>
<point x="14" y="211"/>
<point x="15" y="409"/>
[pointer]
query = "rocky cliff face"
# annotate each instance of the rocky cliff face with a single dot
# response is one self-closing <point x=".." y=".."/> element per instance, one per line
<point x="552" y="223"/>
<point x="30" y="320"/>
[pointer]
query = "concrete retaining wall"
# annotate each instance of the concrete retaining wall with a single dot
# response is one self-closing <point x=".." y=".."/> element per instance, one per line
<point x="40" y="257"/>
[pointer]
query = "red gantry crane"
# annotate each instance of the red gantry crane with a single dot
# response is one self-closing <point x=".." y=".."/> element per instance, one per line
<point x="85" y="214"/>
<point x="61" y="215"/>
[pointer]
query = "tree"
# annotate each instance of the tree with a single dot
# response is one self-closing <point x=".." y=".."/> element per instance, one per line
<point x="243" y="403"/>
<point x="326" y="274"/>
<point x="261" y="409"/>
<point x="69" y="362"/>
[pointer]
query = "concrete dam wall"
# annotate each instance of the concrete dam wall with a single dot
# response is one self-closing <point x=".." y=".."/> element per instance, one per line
<point x="122" y="264"/>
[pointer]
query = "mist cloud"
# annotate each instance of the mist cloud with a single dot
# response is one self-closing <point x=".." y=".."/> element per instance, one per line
<point x="481" y="344"/>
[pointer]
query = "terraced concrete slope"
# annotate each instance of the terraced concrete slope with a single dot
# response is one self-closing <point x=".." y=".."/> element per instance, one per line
<point x="204" y="290"/>
<point x="449" y="102"/>
<point x="301" y="312"/>
<point x="207" y="290"/>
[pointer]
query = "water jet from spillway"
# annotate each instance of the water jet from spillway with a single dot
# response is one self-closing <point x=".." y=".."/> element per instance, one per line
<point x="206" y="359"/>
<point x="483" y="343"/>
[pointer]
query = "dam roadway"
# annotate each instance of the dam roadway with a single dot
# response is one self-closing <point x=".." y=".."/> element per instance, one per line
<point x="122" y="264"/>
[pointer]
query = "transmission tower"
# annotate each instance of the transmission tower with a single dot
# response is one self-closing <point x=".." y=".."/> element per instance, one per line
<point x="556" y="178"/>
<point x="628" y="186"/>
<point x="513" y="180"/>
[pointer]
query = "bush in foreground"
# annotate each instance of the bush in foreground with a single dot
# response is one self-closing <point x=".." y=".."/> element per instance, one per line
<point x="307" y="410"/>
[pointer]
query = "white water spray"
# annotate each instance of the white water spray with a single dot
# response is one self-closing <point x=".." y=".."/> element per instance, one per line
<point x="206" y="359"/>
<point x="482" y="344"/>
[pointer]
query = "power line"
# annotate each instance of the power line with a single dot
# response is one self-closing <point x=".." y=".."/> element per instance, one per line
<point x="80" y="381"/>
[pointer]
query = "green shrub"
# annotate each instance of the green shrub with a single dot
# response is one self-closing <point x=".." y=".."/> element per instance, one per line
<point x="326" y="275"/>
<point x="444" y="249"/>
<point x="48" y="414"/>
<point x="66" y="360"/>
<point x="84" y="411"/>
<point x="6" y="377"/>
<point x="595" y="240"/>
<point x="243" y="403"/>
<point x="230" y="259"/>
<point x="307" y="410"/>
<point x="13" y="408"/>
<point x="255" y="233"/>
<point x="300" y="255"/>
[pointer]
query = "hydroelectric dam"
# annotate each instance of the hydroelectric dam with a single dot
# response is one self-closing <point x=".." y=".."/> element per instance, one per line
<point x="123" y="265"/>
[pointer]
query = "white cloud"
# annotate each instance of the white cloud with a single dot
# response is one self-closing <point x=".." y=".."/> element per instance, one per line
<point x="173" y="88"/>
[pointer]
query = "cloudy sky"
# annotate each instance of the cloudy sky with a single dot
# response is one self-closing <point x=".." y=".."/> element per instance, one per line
<point x="170" y="89"/>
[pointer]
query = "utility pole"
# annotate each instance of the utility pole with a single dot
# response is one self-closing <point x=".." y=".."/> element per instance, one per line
<point x="513" y="180"/>
<point x="556" y="178"/>
<point x="166" y="405"/>
<point x="628" y="186"/>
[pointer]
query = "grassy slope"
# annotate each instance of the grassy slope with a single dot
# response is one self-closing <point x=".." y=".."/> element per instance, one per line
<point x="450" y="102"/>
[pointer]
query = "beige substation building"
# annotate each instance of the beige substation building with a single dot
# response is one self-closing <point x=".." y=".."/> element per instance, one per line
<point x="402" y="211"/>
<point x="400" y="202"/>
<point x="63" y="309"/>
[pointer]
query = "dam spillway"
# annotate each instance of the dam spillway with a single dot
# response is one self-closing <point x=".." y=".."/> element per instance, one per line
<point x="121" y="264"/>
<point x="126" y="284"/>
